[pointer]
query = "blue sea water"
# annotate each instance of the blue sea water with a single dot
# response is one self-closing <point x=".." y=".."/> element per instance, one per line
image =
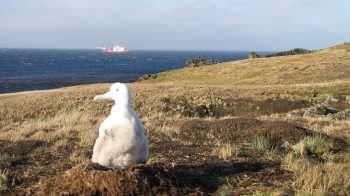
<point x="34" y="69"/>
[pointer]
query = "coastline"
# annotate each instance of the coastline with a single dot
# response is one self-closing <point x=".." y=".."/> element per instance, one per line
<point x="47" y="69"/>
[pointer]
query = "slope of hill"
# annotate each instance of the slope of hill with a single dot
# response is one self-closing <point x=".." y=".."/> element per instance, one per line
<point x="344" y="47"/>
<point x="318" y="67"/>
<point x="246" y="127"/>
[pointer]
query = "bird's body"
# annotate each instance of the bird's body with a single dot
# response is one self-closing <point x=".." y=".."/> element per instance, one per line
<point x="121" y="141"/>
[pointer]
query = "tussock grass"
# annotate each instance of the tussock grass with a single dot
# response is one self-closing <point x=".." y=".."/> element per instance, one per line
<point x="316" y="145"/>
<point x="322" y="178"/>
<point x="6" y="181"/>
<point x="260" y="143"/>
<point x="226" y="151"/>
<point x="6" y="160"/>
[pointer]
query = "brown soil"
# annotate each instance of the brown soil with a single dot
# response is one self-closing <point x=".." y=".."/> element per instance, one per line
<point x="249" y="107"/>
<point x="242" y="130"/>
<point x="215" y="107"/>
<point x="186" y="164"/>
<point x="159" y="180"/>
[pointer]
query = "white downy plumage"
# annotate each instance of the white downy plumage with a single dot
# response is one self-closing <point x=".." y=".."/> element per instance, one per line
<point x="121" y="141"/>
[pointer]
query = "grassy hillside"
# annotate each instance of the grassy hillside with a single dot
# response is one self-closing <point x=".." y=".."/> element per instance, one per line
<point x="230" y="128"/>
<point x="318" y="67"/>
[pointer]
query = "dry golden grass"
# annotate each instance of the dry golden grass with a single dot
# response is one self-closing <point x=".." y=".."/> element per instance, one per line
<point x="192" y="116"/>
<point x="319" y="178"/>
<point x="314" y="68"/>
<point x="226" y="151"/>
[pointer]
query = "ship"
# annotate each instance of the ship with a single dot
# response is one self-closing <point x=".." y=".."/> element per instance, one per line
<point x="114" y="49"/>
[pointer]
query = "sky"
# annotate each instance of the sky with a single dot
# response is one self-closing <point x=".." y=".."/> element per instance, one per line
<point x="259" y="25"/>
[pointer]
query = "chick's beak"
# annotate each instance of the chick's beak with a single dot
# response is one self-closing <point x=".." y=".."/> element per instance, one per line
<point x="106" y="96"/>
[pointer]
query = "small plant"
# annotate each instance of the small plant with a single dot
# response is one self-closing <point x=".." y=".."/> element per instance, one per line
<point x="260" y="143"/>
<point x="6" y="160"/>
<point x="316" y="145"/>
<point x="226" y="151"/>
<point x="5" y="180"/>
<point x="154" y="159"/>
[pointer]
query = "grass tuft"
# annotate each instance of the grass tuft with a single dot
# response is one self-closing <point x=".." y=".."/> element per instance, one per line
<point x="260" y="143"/>
<point x="316" y="145"/>
<point x="226" y="151"/>
<point x="318" y="178"/>
<point x="6" y="182"/>
<point x="6" y="160"/>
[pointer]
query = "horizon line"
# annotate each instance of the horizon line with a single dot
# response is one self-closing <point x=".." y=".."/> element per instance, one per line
<point x="137" y="49"/>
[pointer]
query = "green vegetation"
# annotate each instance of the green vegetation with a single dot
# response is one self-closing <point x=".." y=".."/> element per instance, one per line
<point x="253" y="55"/>
<point x="5" y="181"/>
<point x="6" y="159"/>
<point x="260" y="143"/>
<point x="294" y="51"/>
<point x="316" y="145"/>
<point x="147" y="77"/>
<point x="199" y="61"/>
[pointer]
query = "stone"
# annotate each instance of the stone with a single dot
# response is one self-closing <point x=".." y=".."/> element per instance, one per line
<point x="331" y="99"/>
<point x="340" y="116"/>
<point x="347" y="99"/>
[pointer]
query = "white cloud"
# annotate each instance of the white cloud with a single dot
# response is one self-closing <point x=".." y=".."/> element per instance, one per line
<point x="187" y="24"/>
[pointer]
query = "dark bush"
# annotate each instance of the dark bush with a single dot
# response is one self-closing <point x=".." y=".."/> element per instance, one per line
<point x="294" y="51"/>
<point x="253" y="55"/>
<point x="199" y="61"/>
<point x="148" y="76"/>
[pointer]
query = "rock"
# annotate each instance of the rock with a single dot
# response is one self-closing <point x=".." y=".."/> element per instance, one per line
<point x="286" y="145"/>
<point x="315" y="111"/>
<point x="347" y="99"/>
<point x="340" y="116"/>
<point x="331" y="99"/>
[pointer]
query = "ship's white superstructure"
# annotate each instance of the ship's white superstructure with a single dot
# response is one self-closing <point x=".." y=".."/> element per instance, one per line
<point x="114" y="49"/>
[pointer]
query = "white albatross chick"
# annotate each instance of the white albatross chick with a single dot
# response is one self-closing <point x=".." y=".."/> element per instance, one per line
<point x="121" y="141"/>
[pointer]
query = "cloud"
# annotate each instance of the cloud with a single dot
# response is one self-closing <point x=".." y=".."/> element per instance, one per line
<point x="182" y="24"/>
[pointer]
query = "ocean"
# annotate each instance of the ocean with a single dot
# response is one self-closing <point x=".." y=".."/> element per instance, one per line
<point x="36" y="69"/>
